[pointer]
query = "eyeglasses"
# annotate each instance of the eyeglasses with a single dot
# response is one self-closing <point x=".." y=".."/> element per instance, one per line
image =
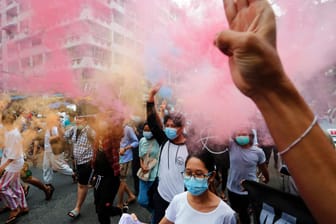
<point x="198" y="176"/>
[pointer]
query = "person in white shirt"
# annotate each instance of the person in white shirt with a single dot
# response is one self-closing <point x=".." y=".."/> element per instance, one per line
<point x="198" y="204"/>
<point x="52" y="161"/>
<point x="11" y="192"/>
<point x="173" y="154"/>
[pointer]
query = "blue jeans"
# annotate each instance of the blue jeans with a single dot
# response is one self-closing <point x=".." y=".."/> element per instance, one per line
<point x="143" y="196"/>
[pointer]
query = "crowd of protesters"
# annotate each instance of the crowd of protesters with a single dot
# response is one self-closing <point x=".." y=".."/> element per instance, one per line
<point x="174" y="176"/>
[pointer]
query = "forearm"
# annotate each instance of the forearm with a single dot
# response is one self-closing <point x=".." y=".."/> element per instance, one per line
<point x="128" y="147"/>
<point x="142" y="164"/>
<point x="154" y="124"/>
<point x="264" y="171"/>
<point x="54" y="138"/>
<point x="5" y="165"/>
<point x="312" y="161"/>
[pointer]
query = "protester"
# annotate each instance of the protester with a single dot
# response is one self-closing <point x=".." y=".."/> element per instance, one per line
<point x="82" y="137"/>
<point x="68" y="150"/>
<point x="245" y="157"/>
<point x="172" y="158"/>
<point x="137" y="125"/>
<point x="128" y="142"/>
<point x="257" y="71"/>
<point x="149" y="150"/>
<point x="33" y="141"/>
<point x="52" y="161"/>
<point x="11" y="192"/>
<point x="106" y="169"/>
<point x="198" y="204"/>
<point x="32" y="144"/>
<point x="27" y="177"/>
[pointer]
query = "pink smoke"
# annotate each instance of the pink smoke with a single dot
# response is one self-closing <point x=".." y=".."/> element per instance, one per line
<point x="179" y="50"/>
<point x="201" y="79"/>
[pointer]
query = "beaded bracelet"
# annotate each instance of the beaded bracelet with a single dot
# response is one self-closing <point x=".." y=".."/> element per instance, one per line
<point x="300" y="138"/>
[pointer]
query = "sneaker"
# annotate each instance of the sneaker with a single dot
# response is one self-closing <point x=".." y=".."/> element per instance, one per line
<point x="125" y="208"/>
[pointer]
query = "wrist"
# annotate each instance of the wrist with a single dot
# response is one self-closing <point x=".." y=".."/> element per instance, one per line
<point x="280" y="98"/>
<point x="281" y="107"/>
<point x="150" y="99"/>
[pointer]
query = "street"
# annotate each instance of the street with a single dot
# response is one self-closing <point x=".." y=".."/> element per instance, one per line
<point x="63" y="200"/>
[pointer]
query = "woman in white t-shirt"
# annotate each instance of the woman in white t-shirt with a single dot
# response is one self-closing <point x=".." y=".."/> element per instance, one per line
<point x="11" y="192"/>
<point x="198" y="204"/>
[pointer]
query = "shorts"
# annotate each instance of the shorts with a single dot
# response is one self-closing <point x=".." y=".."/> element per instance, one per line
<point x="124" y="169"/>
<point x="25" y="172"/>
<point x="84" y="172"/>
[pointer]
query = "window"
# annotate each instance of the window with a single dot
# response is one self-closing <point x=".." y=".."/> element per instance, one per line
<point x="10" y="34"/>
<point x="117" y="58"/>
<point x="118" y="17"/>
<point x="76" y="61"/>
<point x="118" y="38"/>
<point x="36" y="41"/>
<point x="12" y="48"/>
<point x="13" y="66"/>
<point x="25" y="44"/>
<point x="25" y="62"/>
<point x="37" y="60"/>
<point x="9" y="2"/>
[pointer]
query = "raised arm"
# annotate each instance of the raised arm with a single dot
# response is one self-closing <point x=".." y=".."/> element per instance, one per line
<point x="153" y="119"/>
<point x="257" y="71"/>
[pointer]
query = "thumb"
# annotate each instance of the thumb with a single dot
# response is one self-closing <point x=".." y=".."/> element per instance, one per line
<point x="227" y="41"/>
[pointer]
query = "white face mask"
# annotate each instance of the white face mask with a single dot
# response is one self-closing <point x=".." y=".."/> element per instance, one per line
<point x="147" y="134"/>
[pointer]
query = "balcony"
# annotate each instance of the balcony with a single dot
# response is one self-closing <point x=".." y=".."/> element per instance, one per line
<point x="88" y="62"/>
<point x="117" y="6"/>
<point x="12" y="22"/>
<point x="20" y="36"/>
<point x="90" y="14"/>
<point x="12" y="9"/>
<point x="34" y="50"/>
<point x="88" y="39"/>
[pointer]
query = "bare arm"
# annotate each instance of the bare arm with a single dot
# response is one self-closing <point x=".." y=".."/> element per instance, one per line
<point x="263" y="168"/>
<point x="3" y="167"/>
<point x="257" y="71"/>
<point x="164" y="220"/>
<point x="153" y="119"/>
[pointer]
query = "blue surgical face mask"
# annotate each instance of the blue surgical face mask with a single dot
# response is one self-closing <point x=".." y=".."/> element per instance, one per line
<point x="242" y="140"/>
<point x="196" y="186"/>
<point x="171" y="133"/>
<point x="147" y="134"/>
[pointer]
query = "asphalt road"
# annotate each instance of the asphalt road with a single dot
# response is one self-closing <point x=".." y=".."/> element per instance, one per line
<point x="63" y="200"/>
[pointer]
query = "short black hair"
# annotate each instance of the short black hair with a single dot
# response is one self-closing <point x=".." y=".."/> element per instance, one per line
<point x="206" y="157"/>
<point x="177" y="118"/>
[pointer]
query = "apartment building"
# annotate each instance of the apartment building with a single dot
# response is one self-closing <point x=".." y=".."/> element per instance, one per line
<point x="98" y="38"/>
